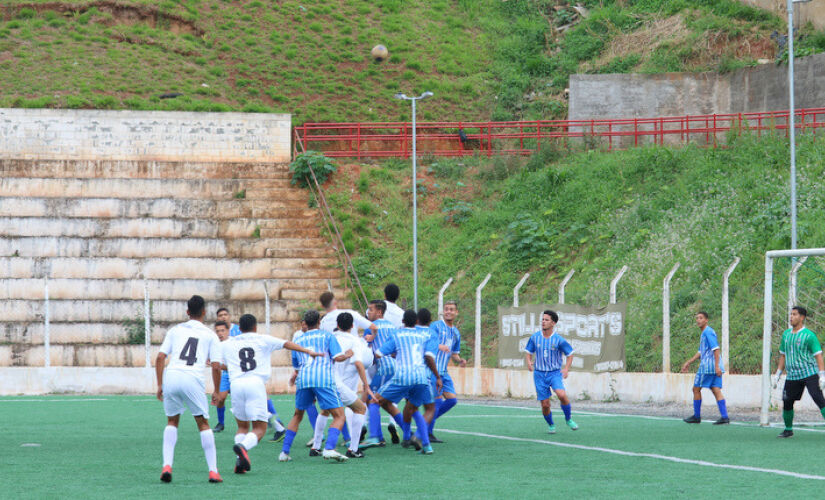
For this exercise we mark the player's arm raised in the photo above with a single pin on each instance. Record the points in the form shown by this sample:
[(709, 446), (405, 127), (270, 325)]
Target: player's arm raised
[(292, 346)]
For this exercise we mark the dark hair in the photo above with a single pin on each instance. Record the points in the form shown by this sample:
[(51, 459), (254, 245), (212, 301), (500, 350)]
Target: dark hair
[(552, 314), (247, 323), (424, 316), (195, 305), (703, 313), (410, 318), (222, 323), (380, 305), (326, 299), (221, 309), (451, 303), (801, 310), (391, 292), (311, 318), (344, 321)]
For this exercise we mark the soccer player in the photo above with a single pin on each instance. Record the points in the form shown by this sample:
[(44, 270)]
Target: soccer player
[(247, 358), (709, 374), (330, 305), (448, 340), (548, 373), (414, 350), (382, 371), (393, 313), (231, 330), (315, 380), (800, 356), (181, 385), (312, 411)]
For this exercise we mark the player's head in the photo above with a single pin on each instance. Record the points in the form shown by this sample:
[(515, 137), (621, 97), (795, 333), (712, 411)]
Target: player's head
[(548, 320), (424, 317), (248, 323), (450, 311), (196, 307), (391, 292), (702, 319), (311, 318), (344, 321), (304, 326), (376, 309), (798, 315), (222, 330), (327, 300), (410, 318), (223, 315)]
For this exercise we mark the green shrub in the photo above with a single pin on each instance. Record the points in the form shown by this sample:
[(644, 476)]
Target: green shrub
[(311, 161)]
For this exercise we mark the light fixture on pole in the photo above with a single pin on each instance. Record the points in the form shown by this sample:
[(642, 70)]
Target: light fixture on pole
[(792, 118), (404, 97)]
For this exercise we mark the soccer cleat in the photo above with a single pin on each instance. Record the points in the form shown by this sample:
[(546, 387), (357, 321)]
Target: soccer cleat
[(434, 439), (406, 443), (283, 457), (393, 434), (370, 442), (214, 477), (363, 434), (551, 429), (314, 453), (310, 443), (243, 457), (278, 436), (334, 455), (416, 443), (573, 425), (238, 467), (427, 450), (785, 434), (166, 474), (218, 427), (355, 454), (693, 419), (722, 421)]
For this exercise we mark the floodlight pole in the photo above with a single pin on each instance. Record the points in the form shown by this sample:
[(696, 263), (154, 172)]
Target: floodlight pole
[(792, 119)]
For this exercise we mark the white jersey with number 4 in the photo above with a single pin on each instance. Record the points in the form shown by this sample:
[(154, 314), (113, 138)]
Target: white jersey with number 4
[(188, 346), (249, 355)]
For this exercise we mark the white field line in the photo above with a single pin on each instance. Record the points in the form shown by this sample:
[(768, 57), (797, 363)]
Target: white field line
[(655, 456)]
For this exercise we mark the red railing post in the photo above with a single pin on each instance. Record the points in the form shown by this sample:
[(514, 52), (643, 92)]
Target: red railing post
[(635, 131), (538, 134), (489, 140), (610, 136), (358, 143), (714, 130)]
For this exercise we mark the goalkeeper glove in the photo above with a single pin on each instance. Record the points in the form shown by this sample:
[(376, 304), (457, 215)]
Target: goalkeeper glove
[(779, 374), (822, 380)]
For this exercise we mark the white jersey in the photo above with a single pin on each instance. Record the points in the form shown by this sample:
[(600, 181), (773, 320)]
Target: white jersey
[(345, 371), (393, 314), (330, 319), (249, 355), (188, 346)]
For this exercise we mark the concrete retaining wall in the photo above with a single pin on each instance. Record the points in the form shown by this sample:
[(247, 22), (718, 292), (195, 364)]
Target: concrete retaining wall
[(812, 12)]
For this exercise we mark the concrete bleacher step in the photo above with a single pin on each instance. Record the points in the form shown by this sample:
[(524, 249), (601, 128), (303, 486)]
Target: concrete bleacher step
[(143, 169)]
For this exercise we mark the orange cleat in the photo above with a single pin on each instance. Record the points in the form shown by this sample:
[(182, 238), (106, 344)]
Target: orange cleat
[(243, 457), (214, 477), (166, 474)]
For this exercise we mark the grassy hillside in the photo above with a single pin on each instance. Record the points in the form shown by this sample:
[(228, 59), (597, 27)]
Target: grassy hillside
[(646, 208)]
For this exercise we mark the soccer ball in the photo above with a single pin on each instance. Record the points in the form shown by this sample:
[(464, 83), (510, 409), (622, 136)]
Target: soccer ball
[(379, 53)]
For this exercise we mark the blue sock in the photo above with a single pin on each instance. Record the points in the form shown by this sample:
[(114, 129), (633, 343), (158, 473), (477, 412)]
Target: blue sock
[(407, 428), (723, 408), (345, 432), (332, 438), (549, 418), (697, 408), (221, 415), (446, 406), (566, 410), (421, 428), (438, 404), (312, 413), (288, 439), (270, 407), (375, 422)]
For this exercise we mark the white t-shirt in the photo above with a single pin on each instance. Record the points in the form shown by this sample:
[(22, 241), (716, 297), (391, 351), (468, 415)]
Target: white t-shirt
[(188, 346), (249, 355), (393, 314), (329, 321), (346, 370)]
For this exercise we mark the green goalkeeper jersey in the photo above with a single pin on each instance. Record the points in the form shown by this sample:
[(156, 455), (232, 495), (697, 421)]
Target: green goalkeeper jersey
[(799, 349)]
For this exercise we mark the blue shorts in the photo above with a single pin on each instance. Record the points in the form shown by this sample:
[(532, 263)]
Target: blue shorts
[(417, 395), (545, 381), (707, 380), (446, 384), (224, 382), (327, 398), (378, 381)]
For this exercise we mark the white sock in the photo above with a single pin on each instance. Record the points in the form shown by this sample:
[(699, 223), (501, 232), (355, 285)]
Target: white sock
[(208, 445), (250, 441), (358, 420), (320, 425), (170, 437), (239, 438), (277, 425)]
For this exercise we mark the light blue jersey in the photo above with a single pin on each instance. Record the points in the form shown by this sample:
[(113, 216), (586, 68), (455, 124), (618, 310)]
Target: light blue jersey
[(409, 346), (316, 372), (234, 330), (548, 351), (445, 335), (707, 345), (386, 330)]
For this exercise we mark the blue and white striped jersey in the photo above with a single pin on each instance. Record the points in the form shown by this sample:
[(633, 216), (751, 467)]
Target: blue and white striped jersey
[(707, 345), (446, 336), (234, 330), (409, 346), (386, 330), (316, 372), (548, 351)]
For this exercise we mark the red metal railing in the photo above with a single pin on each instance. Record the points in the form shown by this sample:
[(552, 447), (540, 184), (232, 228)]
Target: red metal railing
[(394, 139)]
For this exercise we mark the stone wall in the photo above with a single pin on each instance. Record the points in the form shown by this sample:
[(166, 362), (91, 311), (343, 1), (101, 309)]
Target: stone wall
[(812, 12)]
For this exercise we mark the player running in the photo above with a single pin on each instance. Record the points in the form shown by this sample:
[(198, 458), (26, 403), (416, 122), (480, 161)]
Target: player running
[(448, 340), (548, 348), (225, 329), (381, 373), (247, 358), (709, 374), (181, 385), (800, 356)]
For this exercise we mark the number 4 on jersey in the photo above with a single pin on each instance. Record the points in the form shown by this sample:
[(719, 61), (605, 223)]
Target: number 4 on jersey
[(189, 353)]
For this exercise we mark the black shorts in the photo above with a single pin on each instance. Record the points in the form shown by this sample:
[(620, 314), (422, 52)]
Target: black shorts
[(794, 388)]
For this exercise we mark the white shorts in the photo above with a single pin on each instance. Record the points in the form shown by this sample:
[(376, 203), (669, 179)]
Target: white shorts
[(249, 399), (347, 394), (183, 390)]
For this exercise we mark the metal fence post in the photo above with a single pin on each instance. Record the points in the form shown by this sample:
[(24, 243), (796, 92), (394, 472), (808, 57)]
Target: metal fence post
[(147, 323), (666, 319), (47, 361), (441, 298), (766, 341), (726, 314), (792, 285), (614, 283), (517, 288), (477, 346), (564, 284)]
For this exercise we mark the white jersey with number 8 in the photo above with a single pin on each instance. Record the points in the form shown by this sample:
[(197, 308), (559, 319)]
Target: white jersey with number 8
[(188, 346), (249, 355)]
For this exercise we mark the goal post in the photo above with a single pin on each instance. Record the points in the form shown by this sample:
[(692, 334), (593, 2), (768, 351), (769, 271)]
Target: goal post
[(792, 277)]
